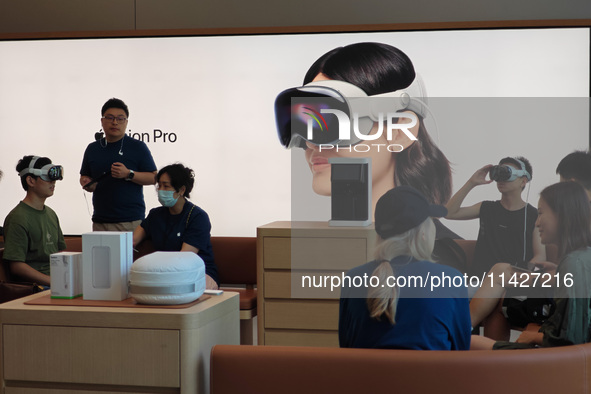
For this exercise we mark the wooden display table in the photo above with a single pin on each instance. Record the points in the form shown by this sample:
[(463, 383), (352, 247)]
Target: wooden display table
[(50, 349), (287, 313)]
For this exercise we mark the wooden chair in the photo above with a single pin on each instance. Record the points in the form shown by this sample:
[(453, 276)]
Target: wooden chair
[(236, 259)]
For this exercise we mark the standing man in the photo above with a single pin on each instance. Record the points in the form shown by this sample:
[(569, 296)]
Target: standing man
[(115, 168), (32, 230)]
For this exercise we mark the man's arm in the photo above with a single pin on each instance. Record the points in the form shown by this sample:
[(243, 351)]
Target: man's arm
[(120, 171), (28, 273), (85, 180), (144, 178), (139, 234), (454, 206)]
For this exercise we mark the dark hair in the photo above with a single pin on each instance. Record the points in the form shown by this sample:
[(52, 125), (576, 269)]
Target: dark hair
[(380, 68), (25, 162), (115, 103), (570, 203), (576, 166), (179, 176), (1, 174), (515, 162)]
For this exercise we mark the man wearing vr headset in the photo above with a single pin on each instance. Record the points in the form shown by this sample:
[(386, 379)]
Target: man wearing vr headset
[(501, 234), (31, 230), (507, 227)]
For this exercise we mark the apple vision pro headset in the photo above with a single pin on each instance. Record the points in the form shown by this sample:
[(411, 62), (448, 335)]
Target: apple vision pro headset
[(49, 172), (505, 173), (300, 110)]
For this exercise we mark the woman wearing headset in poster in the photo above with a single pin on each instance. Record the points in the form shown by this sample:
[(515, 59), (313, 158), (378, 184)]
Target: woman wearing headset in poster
[(370, 69)]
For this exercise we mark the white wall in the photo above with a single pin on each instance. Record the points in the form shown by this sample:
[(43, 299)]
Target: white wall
[(216, 94)]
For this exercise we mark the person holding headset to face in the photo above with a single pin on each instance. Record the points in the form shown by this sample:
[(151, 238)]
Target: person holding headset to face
[(410, 157), (507, 234), (179, 225), (507, 226)]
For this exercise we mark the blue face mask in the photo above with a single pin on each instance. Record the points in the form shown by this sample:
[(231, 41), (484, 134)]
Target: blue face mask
[(165, 197)]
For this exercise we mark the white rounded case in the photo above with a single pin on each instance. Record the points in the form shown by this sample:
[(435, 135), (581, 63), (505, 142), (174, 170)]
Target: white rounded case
[(167, 278)]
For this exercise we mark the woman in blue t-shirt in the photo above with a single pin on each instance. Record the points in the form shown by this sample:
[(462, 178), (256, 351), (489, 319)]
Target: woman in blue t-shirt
[(404, 300), (179, 225)]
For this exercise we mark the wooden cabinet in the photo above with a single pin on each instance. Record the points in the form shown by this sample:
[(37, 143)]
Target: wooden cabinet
[(298, 263), (68, 349)]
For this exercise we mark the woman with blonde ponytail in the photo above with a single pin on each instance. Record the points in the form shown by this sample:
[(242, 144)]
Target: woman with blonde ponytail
[(403, 299)]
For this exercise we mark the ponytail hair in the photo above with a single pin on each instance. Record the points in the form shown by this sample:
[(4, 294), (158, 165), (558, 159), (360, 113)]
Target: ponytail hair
[(382, 299)]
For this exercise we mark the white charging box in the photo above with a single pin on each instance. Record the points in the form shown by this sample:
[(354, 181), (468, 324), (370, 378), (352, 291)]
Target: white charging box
[(66, 274), (107, 259)]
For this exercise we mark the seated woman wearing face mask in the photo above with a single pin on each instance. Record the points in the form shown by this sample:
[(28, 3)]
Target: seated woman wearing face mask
[(179, 225)]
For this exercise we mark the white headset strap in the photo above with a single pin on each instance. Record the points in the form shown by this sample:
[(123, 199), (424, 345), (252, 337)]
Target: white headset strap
[(30, 167)]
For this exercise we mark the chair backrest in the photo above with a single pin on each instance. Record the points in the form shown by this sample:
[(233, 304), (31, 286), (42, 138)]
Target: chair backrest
[(468, 247), (3, 268), (293, 370), (73, 243), (236, 259)]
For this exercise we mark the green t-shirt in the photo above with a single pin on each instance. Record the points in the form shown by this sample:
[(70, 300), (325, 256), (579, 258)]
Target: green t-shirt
[(32, 235)]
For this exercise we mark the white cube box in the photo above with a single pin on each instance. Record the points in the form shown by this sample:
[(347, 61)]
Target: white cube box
[(107, 259), (66, 274)]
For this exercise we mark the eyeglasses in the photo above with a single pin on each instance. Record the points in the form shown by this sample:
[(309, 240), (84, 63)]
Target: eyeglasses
[(111, 118)]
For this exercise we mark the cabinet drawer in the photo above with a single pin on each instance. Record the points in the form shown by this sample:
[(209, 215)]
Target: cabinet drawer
[(301, 338), (113, 356), (80, 390), (277, 253), (314, 253), (302, 284), (302, 314)]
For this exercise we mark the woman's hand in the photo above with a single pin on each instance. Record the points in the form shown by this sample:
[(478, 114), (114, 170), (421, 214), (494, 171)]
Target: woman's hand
[(531, 336), (210, 283), (546, 266)]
